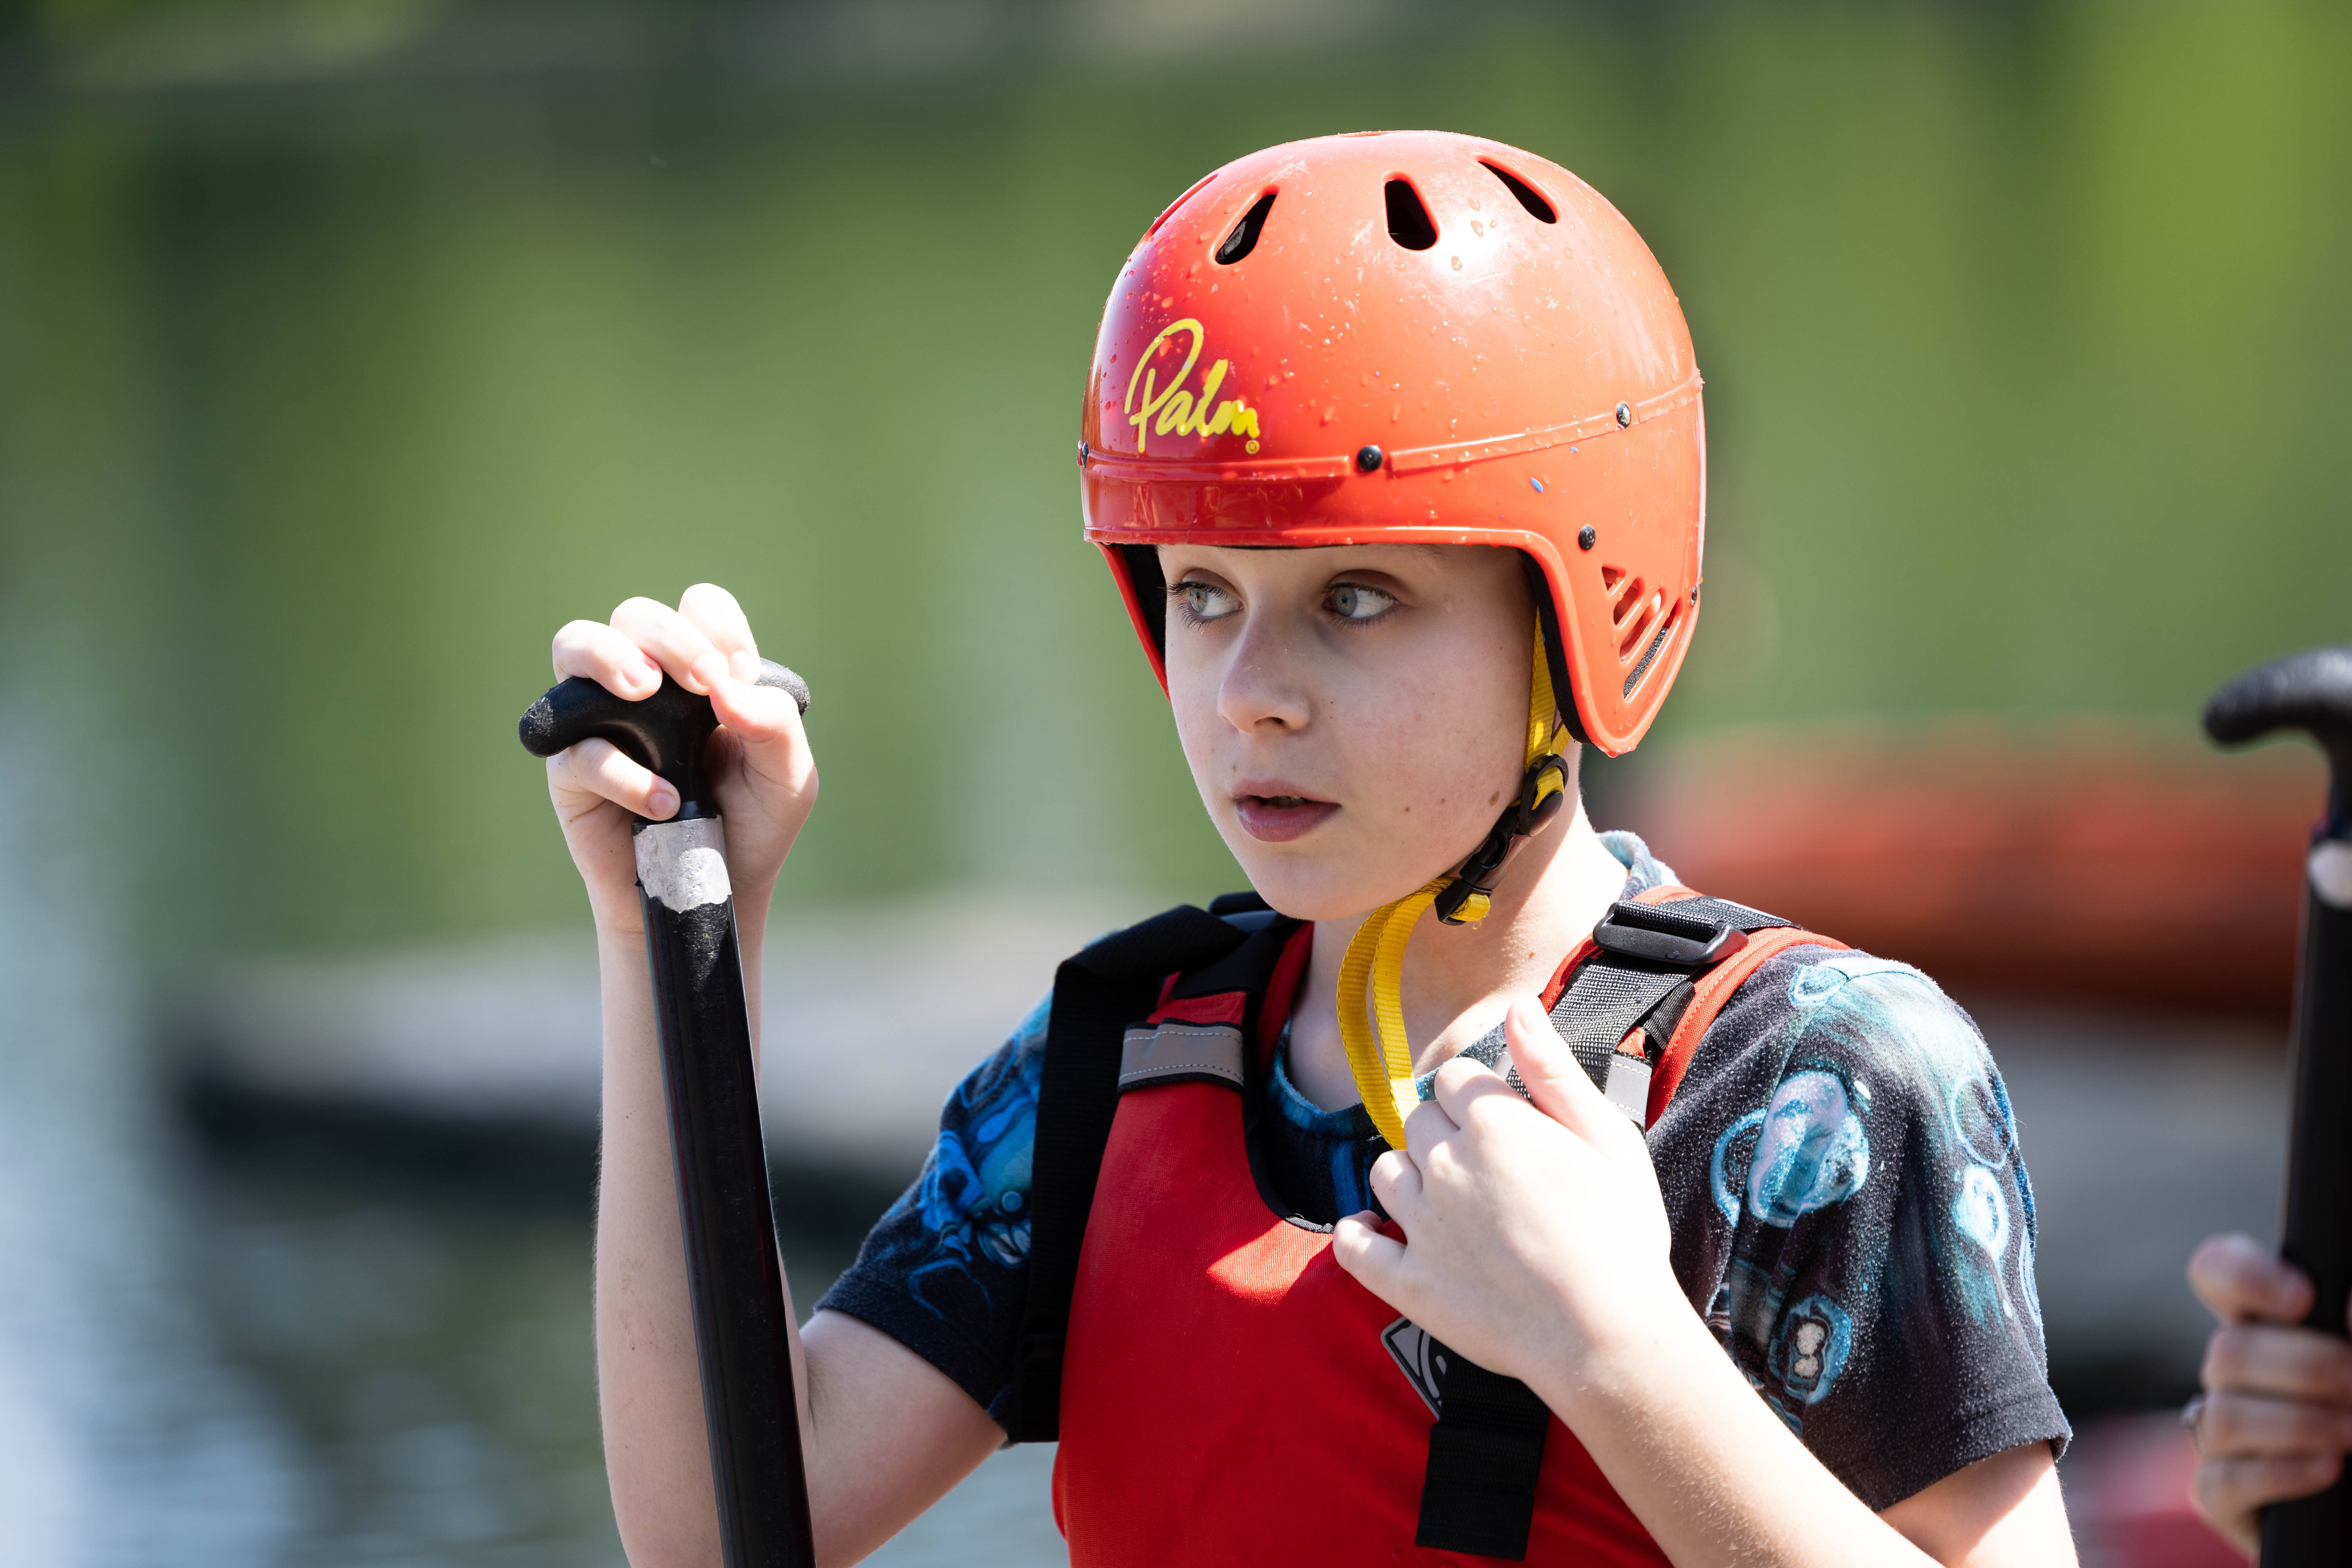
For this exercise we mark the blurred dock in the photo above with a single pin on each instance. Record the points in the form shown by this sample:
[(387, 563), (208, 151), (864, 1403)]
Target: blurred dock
[(868, 1019)]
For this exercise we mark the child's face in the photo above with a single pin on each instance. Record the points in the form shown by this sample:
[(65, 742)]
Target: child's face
[(1355, 716)]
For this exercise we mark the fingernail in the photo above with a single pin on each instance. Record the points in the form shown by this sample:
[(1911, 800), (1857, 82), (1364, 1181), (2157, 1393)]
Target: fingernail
[(660, 800), (708, 669), (744, 666), (643, 673)]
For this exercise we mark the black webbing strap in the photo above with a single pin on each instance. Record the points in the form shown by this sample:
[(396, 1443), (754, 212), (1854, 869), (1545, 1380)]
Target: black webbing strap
[(1485, 1450), (1613, 991), (1097, 995)]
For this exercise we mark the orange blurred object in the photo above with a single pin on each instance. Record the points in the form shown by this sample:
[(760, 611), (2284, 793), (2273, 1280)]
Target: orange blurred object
[(1411, 337), (2088, 860)]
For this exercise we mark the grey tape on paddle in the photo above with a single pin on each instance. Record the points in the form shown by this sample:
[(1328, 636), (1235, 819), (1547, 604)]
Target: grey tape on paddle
[(682, 865), (2331, 872)]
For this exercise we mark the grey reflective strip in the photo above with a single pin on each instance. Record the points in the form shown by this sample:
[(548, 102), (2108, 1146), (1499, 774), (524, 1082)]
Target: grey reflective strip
[(1174, 1051), (1629, 1087)]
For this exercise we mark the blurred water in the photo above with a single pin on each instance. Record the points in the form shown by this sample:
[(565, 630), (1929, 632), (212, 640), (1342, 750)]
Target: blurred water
[(126, 1435), (425, 1352)]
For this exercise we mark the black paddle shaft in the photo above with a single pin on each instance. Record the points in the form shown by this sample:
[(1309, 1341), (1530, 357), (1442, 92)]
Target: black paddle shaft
[(2313, 692), (742, 1335)]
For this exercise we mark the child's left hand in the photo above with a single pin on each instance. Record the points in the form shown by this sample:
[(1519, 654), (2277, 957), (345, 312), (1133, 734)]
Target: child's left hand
[(1534, 1234)]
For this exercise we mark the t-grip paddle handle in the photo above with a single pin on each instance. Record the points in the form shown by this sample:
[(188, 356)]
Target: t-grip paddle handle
[(742, 1335), (2312, 691), (667, 732)]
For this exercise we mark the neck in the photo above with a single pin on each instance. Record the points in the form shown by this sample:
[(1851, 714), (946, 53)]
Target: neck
[(1459, 980)]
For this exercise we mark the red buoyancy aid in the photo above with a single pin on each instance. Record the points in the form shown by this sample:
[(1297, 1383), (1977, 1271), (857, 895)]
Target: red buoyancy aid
[(1228, 1393)]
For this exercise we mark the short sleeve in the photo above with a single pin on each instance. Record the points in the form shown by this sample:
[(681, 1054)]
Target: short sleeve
[(1849, 1182), (944, 1271)]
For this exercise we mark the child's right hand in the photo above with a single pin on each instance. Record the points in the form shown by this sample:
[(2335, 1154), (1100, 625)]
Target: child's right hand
[(760, 763), (2275, 1417)]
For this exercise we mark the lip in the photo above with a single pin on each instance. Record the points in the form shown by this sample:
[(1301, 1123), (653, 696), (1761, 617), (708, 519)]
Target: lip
[(1274, 812)]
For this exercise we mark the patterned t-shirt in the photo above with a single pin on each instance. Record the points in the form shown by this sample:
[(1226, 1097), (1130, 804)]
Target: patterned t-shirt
[(1840, 1166)]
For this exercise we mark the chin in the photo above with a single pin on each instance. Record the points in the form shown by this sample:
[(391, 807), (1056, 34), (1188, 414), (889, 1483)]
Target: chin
[(1317, 888)]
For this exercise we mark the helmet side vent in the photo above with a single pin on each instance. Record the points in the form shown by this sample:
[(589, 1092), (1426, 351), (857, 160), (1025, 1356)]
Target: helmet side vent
[(1635, 615), (1538, 208), (1650, 655), (1409, 222), (1244, 238)]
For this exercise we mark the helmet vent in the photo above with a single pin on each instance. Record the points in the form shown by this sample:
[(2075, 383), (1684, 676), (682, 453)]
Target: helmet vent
[(1243, 239), (1409, 222), (1635, 622), (1633, 609), (1650, 655), (1538, 208)]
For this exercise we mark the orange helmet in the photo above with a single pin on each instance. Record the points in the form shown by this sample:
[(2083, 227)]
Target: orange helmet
[(1422, 338)]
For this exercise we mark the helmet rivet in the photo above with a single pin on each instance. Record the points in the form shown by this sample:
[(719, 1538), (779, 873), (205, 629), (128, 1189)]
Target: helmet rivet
[(1368, 457), (1586, 538), (1625, 415)]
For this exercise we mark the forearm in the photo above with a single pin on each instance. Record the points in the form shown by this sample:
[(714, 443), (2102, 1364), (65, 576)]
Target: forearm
[(1710, 1471), (656, 1452)]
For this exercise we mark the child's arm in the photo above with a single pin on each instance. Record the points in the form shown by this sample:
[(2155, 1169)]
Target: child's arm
[(2276, 1417), (885, 1433), (1574, 1296)]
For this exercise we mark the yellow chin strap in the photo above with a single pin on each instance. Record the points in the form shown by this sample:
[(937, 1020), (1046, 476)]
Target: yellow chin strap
[(1378, 1052)]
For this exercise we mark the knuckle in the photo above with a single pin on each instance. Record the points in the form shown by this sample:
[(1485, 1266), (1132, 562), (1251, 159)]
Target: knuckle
[(2226, 1354)]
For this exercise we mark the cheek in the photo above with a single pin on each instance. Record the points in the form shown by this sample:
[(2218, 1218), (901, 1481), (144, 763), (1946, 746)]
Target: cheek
[(1442, 765), (1192, 698)]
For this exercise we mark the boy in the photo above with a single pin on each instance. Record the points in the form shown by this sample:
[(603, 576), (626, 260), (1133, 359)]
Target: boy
[(1302, 1225)]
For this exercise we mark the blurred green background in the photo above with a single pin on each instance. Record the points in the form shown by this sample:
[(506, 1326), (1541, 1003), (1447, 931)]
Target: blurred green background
[(338, 367), (348, 347)]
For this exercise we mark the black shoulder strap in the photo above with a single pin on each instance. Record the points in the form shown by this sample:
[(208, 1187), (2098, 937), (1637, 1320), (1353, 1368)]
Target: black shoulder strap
[(1097, 995), (1485, 1451)]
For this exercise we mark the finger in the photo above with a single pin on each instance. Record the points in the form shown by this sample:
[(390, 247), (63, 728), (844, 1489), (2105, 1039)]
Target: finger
[(2255, 1424), (2229, 1491), (1396, 1182), (2241, 1281), (1426, 1126), (1375, 1260), (759, 716), (598, 767), (1559, 1084), (714, 612), (1459, 1085), (2295, 1363), (595, 650), (675, 643)]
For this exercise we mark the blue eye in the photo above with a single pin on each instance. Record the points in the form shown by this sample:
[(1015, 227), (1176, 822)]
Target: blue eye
[(1205, 600), (1355, 602)]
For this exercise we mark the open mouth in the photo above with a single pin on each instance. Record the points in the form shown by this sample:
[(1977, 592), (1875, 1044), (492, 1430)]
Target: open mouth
[(1277, 818)]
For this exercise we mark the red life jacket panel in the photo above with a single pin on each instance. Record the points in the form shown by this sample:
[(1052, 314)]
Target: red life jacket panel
[(1227, 1392)]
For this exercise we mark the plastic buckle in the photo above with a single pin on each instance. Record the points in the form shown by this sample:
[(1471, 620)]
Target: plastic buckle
[(1656, 933)]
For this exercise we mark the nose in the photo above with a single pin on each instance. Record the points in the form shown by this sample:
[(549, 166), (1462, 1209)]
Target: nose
[(1260, 688)]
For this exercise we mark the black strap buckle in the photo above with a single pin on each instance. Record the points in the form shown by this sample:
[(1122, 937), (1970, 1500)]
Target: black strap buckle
[(1521, 818), (1656, 933)]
